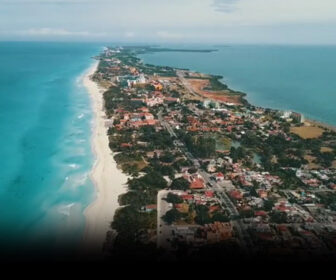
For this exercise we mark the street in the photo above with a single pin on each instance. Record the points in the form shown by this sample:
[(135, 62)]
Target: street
[(226, 203), (163, 230)]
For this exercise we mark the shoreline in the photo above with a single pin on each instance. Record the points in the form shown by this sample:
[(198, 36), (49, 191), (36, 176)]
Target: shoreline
[(108, 180), (245, 95)]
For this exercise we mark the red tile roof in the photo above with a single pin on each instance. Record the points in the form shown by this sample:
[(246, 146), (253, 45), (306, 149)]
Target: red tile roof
[(236, 194), (125, 145), (209, 193), (151, 206), (260, 213), (187, 196), (197, 184), (213, 208)]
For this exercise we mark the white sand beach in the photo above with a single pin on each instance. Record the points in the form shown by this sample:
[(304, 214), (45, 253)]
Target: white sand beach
[(108, 180)]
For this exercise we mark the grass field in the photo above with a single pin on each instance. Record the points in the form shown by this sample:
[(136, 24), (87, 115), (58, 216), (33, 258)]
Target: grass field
[(311, 163), (307, 132), (334, 164), (326, 150), (198, 86)]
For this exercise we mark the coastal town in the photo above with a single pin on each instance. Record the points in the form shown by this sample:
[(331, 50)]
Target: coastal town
[(209, 173)]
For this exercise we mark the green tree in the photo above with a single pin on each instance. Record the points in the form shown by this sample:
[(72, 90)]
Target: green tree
[(268, 205), (202, 215), (220, 217), (172, 216), (180, 184), (173, 198), (278, 217)]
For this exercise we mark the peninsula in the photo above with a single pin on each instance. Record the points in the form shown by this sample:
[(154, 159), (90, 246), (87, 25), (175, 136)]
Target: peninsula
[(209, 175)]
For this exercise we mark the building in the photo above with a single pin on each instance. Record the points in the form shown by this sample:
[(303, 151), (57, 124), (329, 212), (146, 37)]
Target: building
[(298, 117), (219, 177), (141, 79), (157, 86), (208, 103), (197, 184)]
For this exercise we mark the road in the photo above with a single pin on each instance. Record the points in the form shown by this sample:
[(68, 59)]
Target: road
[(312, 190), (220, 191), (166, 125), (163, 230), (226, 203), (185, 83)]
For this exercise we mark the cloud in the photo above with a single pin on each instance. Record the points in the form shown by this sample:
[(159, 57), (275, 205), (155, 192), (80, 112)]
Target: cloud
[(224, 5), (162, 20), (44, 1), (129, 34), (258, 12), (57, 32), (169, 35)]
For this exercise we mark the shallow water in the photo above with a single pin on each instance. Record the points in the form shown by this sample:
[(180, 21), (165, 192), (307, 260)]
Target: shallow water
[(45, 150)]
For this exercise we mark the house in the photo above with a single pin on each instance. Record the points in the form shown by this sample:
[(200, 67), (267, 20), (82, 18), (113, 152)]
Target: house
[(149, 208), (138, 124), (143, 109), (197, 184), (137, 100), (236, 194), (220, 161), (151, 102), (214, 208), (212, 166), (282, 207), (148, 116), (141, 79), (209, 194), (332, 186), (262, 193), (217, 232), (150, 122), (154, 153), (260, 214), (172, 100), (133, 70), (219, 177), (142, 143), (126, 145), (187, 197), (157, 86), (208, 103)]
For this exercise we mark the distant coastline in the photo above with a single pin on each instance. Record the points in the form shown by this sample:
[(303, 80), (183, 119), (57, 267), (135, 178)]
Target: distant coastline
[(269, 93), (217, 78), (153, 49)]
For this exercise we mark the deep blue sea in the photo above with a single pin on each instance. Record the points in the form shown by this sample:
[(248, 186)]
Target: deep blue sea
[(45, 150), (299, 78)]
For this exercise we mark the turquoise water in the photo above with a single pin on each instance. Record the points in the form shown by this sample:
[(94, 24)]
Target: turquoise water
[(300, 78), (45, 150)]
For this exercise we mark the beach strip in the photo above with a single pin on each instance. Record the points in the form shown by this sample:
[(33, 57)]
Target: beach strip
[(108, 180)]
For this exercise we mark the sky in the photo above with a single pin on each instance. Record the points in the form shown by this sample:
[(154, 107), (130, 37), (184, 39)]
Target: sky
[(170, 21)]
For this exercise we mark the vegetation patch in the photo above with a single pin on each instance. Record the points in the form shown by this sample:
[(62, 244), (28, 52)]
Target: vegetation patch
[(326, 150), (307, 132)]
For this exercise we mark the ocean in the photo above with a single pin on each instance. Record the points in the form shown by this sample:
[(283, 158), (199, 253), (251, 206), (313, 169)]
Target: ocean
[(298, 78), (45, 149)]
